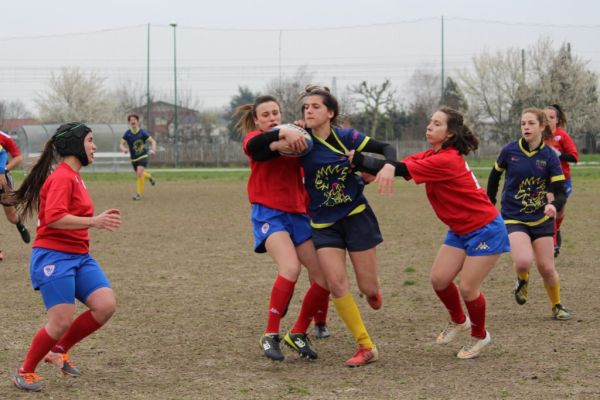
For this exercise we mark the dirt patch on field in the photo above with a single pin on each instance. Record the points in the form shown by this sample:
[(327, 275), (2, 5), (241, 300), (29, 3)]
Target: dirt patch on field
[(193, 297)]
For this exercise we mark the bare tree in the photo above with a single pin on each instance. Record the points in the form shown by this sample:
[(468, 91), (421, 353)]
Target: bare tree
[(287, 91), (495, 87), (502, 84), (560, 77), (374, 100), (73, 95)]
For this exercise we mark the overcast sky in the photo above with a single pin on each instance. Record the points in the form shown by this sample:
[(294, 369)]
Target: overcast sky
[(226, 43)]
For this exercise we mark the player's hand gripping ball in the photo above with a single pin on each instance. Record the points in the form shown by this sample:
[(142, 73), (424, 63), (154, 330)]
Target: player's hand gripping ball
[(307, 138)]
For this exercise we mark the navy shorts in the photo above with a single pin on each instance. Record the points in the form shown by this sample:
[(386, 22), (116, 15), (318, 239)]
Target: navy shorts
[(488, 240), (544, 229), (63, 277), (266, 221), (357, 232), (143, 162)]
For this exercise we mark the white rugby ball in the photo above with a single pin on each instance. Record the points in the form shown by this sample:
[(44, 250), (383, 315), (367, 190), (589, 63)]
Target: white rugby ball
[(307, 137)]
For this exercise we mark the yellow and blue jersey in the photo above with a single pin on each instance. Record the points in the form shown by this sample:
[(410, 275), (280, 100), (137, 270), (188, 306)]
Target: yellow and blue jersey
[(529, 174), (137, 144), (334, 190)]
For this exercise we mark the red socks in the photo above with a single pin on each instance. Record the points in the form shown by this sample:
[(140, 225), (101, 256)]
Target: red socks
[(313, 302), (476, 309), (321, 315), (82, 327), (40, 346), (451, 300), (281, 294)]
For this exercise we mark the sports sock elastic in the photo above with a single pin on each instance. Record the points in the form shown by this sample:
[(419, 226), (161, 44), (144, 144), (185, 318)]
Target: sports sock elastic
[(281, 293), (312, 302), (476, 309), (82, 327), (553, 293), (348, 311), (451, 299), (40, 346)]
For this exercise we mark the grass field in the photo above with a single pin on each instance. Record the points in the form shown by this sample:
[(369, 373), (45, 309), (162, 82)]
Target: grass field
[(193, 298)]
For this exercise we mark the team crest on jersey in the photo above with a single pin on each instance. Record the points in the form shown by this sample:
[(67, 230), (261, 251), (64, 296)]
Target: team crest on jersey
[(48, 269), (331, 181), (540, 164), (557, 138), (265, 228), (532, 193)]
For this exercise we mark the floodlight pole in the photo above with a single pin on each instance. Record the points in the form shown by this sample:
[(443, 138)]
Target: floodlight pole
[(175, 87)]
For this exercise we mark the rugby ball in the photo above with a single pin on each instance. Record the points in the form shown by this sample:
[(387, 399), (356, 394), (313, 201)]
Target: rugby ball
[(307, 137)]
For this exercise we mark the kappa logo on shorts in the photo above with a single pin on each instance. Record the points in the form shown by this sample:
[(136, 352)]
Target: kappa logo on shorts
[(265, 227), (482, 246), (48, 269)]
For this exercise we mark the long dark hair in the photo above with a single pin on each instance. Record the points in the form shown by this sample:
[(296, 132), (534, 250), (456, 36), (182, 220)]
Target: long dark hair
[(247, 113), (27, 198), (464, 140), (561, 118), (329, 100)]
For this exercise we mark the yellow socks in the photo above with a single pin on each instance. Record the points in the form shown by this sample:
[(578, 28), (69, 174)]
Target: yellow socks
[(553, 293), (147, 175), (524, 276), (140, 185), (348, 311)]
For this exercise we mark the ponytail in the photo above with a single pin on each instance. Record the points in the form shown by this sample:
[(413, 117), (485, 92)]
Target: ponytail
[(247, 113)]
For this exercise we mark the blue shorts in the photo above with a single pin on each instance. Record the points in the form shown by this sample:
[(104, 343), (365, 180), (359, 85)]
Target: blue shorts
[(357, 232), (486, 241), (544, 229), (568, 186), (266, 221), (63, 277), (143, 162)]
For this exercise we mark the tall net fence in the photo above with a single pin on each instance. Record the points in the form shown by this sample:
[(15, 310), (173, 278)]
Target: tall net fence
[(211, 64)]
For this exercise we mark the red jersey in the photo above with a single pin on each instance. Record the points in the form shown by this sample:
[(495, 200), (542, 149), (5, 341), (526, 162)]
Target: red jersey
[(562, 142), (276, 183), (63, 193), (9, 144), (452, 189)]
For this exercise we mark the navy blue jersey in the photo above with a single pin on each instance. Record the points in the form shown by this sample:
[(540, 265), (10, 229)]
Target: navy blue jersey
[(334, 190), (528, 177), (137, 144)]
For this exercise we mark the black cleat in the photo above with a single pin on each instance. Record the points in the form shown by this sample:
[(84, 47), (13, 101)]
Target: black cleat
[(301, 343), (24, 232), (270, 346), (152, 181), (521, 291)]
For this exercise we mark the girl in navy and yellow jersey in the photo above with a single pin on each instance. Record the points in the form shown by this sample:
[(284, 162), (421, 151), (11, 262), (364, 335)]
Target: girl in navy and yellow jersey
[(281, 226), (61, 267), (534, 191), (567, 153), (342, 219), (135, 139), (476, 237)]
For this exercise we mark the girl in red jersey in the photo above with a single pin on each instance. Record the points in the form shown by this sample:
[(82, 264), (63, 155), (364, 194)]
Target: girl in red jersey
[(567, 153), (281, 226), (477, 235), (61, 267)]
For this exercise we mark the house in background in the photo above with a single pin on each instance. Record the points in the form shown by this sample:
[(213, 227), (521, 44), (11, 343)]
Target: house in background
[(10, 125)]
